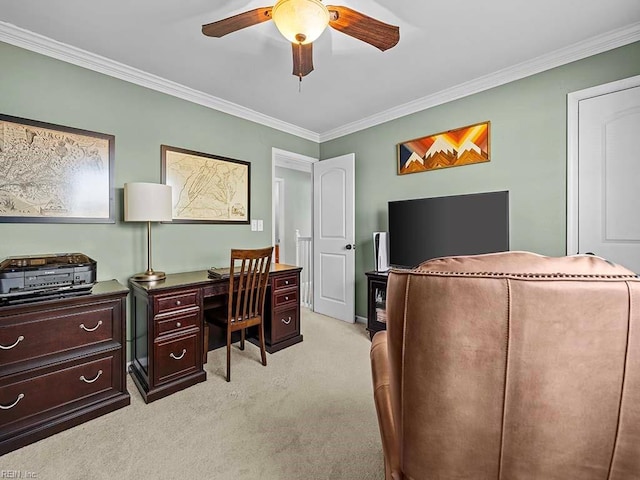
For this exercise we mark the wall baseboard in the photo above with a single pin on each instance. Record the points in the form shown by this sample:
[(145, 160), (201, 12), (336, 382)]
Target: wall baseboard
[(360, 319)]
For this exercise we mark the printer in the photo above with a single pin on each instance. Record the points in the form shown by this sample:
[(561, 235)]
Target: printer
[(40, 277)]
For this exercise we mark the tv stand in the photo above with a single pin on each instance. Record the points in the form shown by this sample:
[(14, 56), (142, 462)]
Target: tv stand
[(376, 301)]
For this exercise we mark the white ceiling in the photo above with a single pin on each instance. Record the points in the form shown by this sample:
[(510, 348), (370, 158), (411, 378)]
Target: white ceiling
[(446, 49)]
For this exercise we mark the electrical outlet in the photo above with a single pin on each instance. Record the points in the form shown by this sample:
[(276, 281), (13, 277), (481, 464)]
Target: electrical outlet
[(254, 225), (260, 225)]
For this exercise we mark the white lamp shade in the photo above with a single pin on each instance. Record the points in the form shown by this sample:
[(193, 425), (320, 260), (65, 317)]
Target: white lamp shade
[(306, 17), (147, 202)]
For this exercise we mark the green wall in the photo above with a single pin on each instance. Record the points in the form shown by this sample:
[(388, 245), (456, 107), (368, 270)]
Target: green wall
[(528, 155), (528, 158), (41, 88)]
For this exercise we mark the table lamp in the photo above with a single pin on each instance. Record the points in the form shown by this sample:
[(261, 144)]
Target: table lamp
[(147, 202)]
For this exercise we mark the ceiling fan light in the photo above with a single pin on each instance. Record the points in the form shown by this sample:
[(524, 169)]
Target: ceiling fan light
[(300, 21)]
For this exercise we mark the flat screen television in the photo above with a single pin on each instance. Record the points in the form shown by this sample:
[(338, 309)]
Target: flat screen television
[(427, 228)]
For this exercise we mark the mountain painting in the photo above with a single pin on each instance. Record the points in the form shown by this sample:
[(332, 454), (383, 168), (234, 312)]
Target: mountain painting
[(462, 146)]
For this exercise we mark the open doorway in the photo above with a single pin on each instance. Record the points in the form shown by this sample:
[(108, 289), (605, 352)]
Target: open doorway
[(279, 217), (293, 215)]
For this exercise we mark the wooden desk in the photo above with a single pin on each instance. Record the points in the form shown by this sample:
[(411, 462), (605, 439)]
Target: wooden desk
[(62, 362), (167, 319)]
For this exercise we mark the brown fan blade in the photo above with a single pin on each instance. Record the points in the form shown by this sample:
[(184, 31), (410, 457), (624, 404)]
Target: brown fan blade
[(237, 22), (369, 30), (302, 59)]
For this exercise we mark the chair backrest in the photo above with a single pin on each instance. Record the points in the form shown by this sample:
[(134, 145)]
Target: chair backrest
[(516, 366), (248, 278)]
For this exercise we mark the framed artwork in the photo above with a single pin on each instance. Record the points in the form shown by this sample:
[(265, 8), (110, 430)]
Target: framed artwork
[(206, 188), (55, 174), (461, 146)]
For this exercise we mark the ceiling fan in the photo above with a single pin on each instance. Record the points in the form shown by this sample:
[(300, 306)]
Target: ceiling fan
[(303, 21)]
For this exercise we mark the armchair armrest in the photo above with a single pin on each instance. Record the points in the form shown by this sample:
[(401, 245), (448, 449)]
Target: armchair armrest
[(382, 398)]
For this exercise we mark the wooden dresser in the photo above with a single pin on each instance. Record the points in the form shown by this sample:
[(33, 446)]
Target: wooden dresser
[(167, 318), (62, 362)]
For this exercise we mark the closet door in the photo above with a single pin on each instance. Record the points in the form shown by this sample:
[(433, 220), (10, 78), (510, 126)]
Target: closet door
[(608, 176)]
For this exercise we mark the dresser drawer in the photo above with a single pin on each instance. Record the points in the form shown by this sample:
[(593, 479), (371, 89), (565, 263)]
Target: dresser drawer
[(285, 281), (177, 301), (284, 324), (41, 393), (175, 357), (285, 297), (25, 337), (177, 322)]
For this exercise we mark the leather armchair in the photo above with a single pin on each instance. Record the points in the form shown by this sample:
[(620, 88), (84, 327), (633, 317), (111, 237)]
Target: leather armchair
[(510, 366)]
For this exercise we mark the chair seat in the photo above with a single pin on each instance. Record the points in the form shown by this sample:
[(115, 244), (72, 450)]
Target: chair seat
[(224, 321), (220, 317), (247, 322)]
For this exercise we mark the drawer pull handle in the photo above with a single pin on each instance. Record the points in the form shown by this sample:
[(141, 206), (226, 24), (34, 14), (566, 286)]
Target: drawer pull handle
[(91, 329), (286, 322), (20, 397), (178, 325), (184, 350), (178, 303), (91, 381), (20, 338)]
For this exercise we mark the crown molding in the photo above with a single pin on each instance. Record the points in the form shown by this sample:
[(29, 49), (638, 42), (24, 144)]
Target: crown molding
[(22, 38), (34, 42), (577, 51)]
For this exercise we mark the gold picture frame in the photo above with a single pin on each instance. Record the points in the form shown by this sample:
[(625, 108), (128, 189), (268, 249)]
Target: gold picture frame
[(207, 188)]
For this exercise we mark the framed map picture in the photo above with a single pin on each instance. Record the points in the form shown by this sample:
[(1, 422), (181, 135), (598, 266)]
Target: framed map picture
[(50, 173), (206, 188)]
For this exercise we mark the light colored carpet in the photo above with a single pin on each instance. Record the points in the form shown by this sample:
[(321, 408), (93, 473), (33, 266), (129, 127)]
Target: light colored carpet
[(308, 414)]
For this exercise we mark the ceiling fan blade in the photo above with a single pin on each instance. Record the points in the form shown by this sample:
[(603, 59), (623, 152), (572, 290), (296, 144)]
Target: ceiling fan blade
[(369, 30), (302, 59), (237, 22)]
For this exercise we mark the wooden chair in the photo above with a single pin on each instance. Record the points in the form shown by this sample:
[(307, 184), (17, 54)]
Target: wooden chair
[(248, 278)]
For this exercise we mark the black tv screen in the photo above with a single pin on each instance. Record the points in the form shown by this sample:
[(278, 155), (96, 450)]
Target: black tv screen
[(428, 228)]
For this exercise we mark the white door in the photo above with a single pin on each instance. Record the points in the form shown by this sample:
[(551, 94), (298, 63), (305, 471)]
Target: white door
[(333, 237), (608, 174)]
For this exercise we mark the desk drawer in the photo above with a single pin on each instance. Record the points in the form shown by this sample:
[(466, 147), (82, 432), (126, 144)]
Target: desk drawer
[(176, 322), (285, 281), (47, 391), (284, 324), (176, 357), (285, 297), (220, 288), (25, 337), (176, 301)]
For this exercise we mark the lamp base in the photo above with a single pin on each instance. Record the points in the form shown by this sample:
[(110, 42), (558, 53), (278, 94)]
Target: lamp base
[(149, 276)]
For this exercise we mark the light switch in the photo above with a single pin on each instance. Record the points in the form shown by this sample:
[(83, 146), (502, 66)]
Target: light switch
[(254, 225), (260, 225)]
